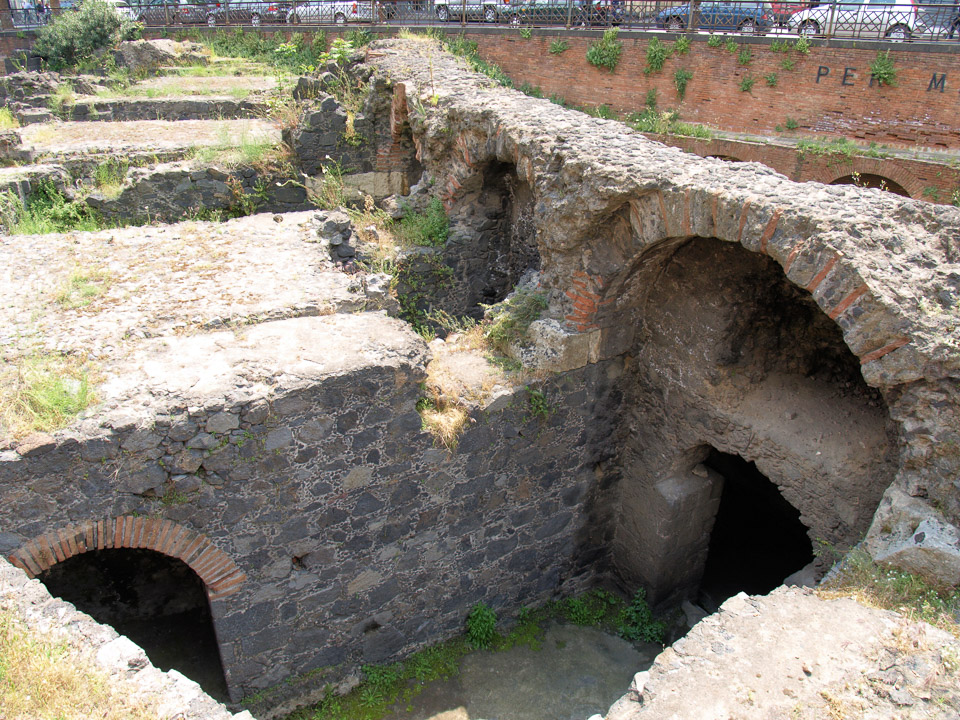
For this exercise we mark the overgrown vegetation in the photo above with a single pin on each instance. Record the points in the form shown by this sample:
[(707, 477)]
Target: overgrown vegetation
[(469, 50), (657, 54), (891, 589), (883, 70), (73, 37), (680, 78), (42, 679), (840, 150), (298, 54), (425, 229), (7, 119), (507, 322), (48, 210), (605, 52), (384, 686)]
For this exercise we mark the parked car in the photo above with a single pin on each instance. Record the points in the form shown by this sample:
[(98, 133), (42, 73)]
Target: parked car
[(783, 10), (892, 19), (745, 17), (340, 12), (486, 10), (559, 12), (156, 12), (248, 12), (194, 13)]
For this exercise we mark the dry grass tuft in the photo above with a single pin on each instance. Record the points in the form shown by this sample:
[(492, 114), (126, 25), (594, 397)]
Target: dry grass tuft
[(44, 680), (445, 422), (43, 393)]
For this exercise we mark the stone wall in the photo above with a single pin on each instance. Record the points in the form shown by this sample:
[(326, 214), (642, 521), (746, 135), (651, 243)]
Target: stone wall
[(328, 529), (828, 91)]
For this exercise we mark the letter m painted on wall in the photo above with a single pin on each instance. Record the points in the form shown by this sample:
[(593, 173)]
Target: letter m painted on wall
[(938, 83)]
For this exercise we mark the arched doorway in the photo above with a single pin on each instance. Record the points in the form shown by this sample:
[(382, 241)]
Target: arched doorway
[(737, 366), (869, 180), (155, 600)]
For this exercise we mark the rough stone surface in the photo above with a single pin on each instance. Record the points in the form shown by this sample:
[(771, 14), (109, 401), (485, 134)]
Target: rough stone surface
[(609, 208), (148, 55), (169, 693), (793, 654)]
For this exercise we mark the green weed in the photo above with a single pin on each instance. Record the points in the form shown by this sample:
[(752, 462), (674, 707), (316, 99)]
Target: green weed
[(507, 322), (680, 78), (481, 626), (559, 46), (7, 119), (605, 52), (657, 54), (425, 229)]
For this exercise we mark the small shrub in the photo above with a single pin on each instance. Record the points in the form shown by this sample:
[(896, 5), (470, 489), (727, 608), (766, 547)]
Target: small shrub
[(359, 38), (73, 37), (651, 99), (746, 84), (657, 54), (605, 52), (771, 79), (481, 626), (791, 123), (780, 46), (731, 46), (714, 41), (427, 229), (682, 45), (788, 63), (526, 33), (601, 111), (558, 47), (744, 57), (802, 45), (883, 70), (636, 622), (681, 77)]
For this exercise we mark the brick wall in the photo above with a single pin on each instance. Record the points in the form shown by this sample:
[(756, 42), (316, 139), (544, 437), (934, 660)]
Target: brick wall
[(920, 110)]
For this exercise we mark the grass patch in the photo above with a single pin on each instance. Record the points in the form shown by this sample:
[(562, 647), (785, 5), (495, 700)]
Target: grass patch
[(842, 149), (890, 589), (44, 680), (45, 393), (7, 119), (108, 177), (444, 419), (82, 287), (246, 149)]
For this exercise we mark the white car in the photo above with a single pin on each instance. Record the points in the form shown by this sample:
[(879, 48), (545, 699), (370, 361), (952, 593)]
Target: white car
[(868, 20), (324, 12)]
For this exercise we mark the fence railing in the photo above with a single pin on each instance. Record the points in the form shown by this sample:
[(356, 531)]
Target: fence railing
[(898, 21)]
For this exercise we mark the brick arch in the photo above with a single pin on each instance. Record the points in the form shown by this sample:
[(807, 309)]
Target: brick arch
[(219, 573), (595, 297), (828, 173)]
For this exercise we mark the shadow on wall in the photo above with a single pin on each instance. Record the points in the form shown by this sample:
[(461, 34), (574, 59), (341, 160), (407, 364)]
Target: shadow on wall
[(155, 600)]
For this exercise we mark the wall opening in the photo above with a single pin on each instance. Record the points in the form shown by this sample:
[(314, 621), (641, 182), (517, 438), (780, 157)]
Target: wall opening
[(492, 244), (869, 180), (758, 539), (155, 600)]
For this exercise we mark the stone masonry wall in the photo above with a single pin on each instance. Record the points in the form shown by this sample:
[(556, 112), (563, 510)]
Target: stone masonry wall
[(327, 527)]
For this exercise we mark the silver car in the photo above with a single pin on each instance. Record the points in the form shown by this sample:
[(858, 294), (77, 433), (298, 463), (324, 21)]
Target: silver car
[(486, 10), (867, 19), (324, 12)]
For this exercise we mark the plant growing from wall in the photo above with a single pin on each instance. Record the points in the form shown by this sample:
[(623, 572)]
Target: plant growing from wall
[(802, 45), (746, 84), (507, 322), (526, 33), (605, 52), (883, 70), (657, 54), (714, 41), (429, 228), (682, 45), (537, 405), (731, 46), (559, 46), (771, 79), (680, 78), (744, 57), (481, 626), (788, 63), (791, 123)]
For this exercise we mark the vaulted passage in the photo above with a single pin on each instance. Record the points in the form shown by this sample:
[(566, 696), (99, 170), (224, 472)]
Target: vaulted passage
[(156, 601), (869, 180), (757, 539), (750, 424)]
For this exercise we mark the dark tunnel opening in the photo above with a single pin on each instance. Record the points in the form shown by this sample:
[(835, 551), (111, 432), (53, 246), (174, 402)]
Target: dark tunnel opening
[(156, 601), (757, 539)]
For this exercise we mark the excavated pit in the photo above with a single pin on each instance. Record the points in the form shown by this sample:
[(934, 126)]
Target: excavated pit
[(156, 601)]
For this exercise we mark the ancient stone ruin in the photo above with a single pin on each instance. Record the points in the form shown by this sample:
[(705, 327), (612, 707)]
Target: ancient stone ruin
[(740, 371)]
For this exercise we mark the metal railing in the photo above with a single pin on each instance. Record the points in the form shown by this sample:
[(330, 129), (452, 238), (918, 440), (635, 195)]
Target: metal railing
[(899, 20)]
